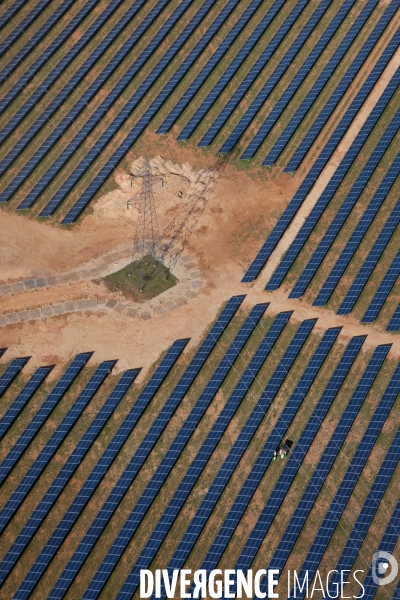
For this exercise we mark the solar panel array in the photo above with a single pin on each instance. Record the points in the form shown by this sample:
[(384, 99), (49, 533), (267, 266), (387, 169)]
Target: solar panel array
[(11, 372), (328, 72), (135, 463), (320, 163), (358, 234), (20, 28), (10, 13), (61, 480), (64, 62), (349, 480), (347, 206), (337, 178), (323, 467), (370, 262), (51, 447), (383, 291), (394, 324), (43, 413), (367, 512), (162, 472), (22, 399)]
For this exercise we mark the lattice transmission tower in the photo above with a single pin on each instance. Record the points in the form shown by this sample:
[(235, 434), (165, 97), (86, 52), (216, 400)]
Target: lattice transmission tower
[(147, 242)]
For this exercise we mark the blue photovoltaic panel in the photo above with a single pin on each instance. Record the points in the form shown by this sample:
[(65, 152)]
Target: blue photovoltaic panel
[(44, 411), (396, 595), (23, 398), (2, 351), (276, 76), (168, 88), (328, 71), (162, 472), (345, 209), (181, 554), (383, 291), (45, 456), (218, 54), (335, 181), (370, 262), (100, 113), (11, 372), (241, 443), (229, 72), (249, 78), (321, 472), (32, 39), (72, 115), (49, 52), (62, 64), (21, 28), (387, 544), (299, 197), (301, 74), (358, 234), (292, 466), (137, 460), (10, 13), (367, 514), (350, 479), (394, 324), (59, 483)]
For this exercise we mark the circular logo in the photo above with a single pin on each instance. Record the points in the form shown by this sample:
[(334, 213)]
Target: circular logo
[(380, 565)]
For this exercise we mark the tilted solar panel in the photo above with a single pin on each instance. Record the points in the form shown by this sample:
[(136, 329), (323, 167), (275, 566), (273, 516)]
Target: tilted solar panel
[(163, 470), (358, 234), (370, 262), (61, 480), (394, 324), (367, 514), (140, 455), (51, 447), (23, 398), (349, 480), (322, 469), (11, 372), (10, 13), (383, 291), (21, 28)]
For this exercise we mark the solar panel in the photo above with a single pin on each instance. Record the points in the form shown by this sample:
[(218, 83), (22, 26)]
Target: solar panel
[(358, 234), (396, 594), (11, 372), (23, 398), (61, 480), (300, 76), (367, 513), (299, 197), (383, 291), (278, 73), (387, 544), (328, 71), (84, 99), (162, 472), (345, 209), (394, 324), (2, 351), (44, 411), (248, 79), (168, 88), (335, 181), (101, 111), (140, 455), (226, 77), (180, 556), (48, 53), (218, 54), (62, 64), (240, 445), (350, 479), (45, 456), (320, 473), (10, 13), (20, 28), (370, 262)]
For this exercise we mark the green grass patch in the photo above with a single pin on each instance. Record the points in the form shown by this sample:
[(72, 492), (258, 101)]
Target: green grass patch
[(152, 277)]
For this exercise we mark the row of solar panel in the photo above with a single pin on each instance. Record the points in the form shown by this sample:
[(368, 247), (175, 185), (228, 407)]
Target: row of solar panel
[(10, 12), (320, 163)]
